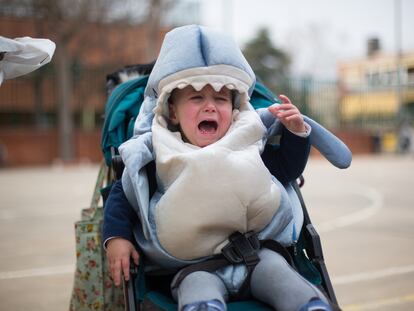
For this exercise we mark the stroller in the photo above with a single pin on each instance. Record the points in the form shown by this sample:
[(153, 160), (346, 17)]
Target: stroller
[(151, 292)]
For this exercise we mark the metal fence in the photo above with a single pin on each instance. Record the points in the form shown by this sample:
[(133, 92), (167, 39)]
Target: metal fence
[(33, 101)]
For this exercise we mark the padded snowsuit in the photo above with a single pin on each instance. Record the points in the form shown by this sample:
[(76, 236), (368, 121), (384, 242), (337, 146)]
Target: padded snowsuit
[(194, 55)]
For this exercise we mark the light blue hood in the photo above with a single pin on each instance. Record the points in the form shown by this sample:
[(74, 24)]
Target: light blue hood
[(195, 47), (194, 55)]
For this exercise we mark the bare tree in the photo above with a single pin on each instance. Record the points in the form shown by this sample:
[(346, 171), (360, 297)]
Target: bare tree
[(67, 18), (270, 63), (156, 10), (65, 21)]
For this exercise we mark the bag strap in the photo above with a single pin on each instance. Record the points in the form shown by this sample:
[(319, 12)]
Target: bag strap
[(103, 171)]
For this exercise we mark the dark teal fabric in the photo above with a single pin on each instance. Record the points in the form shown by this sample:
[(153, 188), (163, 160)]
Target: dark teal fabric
[(121, 110), (168, 305), (304, 266), (249, 305), (140, 283), (162, 301), (262, 97)]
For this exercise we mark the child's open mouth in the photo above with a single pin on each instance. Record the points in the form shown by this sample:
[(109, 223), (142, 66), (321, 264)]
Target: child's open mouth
[(208, 127)]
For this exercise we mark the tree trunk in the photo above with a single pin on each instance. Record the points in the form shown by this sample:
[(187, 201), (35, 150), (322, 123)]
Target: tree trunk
[(66, 152), (153, 28), (41, 121)]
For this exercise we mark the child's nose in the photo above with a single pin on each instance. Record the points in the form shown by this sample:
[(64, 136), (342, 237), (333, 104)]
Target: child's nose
[(209, 106)]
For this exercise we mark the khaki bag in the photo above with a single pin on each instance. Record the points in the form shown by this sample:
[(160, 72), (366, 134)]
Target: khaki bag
[(93, 288)]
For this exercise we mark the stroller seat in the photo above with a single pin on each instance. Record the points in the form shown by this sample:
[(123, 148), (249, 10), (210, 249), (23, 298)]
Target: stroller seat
[(148, 292)]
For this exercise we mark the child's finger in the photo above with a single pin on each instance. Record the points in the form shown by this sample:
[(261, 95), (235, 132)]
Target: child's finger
[(285, 99), (116, 272), (125, 268), (135, 257), (277, 109), (295, 117), (284, 107), (287, 113), (273, 109)]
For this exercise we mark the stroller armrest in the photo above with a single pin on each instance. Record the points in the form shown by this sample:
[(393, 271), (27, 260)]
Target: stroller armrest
[(117, 166), (315, 249)]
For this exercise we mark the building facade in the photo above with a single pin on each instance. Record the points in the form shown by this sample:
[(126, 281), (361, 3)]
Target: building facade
[(377, 94), (30, 105), (377, 90)]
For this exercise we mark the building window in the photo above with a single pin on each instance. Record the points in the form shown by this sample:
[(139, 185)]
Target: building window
[(410, 75)]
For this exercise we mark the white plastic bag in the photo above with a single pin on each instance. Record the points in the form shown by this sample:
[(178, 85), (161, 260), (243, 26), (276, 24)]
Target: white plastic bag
[(23, 55)]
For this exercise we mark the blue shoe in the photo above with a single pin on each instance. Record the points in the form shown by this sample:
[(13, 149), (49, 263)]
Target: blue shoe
[(316, 304), (209, 305)]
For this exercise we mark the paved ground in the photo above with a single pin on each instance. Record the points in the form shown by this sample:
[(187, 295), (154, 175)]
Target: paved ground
[(365, 215)]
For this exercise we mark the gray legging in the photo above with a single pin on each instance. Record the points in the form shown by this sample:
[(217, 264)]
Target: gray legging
[(273, 281)]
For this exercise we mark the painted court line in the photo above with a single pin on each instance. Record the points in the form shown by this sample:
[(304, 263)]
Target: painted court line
[(372, 275), (376, 200), (7, 215), (37, 272), (341, 280), (382, 303)]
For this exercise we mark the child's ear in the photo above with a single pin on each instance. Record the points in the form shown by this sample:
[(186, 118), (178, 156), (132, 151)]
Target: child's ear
[(172, 114)]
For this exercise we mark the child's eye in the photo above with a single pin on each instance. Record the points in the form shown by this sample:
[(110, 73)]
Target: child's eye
[(196, 97), (222, 99)]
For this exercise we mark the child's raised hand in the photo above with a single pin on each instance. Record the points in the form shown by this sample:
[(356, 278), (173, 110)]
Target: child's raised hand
[(119, 251), (289, 115)]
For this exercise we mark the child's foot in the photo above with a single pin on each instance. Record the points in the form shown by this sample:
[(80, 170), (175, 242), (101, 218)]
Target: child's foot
[(316, 304), (209, 305)]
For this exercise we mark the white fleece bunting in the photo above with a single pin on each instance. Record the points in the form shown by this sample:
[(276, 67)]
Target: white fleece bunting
[(214, 191)]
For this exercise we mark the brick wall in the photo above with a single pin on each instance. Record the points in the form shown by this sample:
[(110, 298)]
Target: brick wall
[(358, 142), (22, 147)]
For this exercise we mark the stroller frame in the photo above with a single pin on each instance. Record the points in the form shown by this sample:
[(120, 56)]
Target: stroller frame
[(311, 246)]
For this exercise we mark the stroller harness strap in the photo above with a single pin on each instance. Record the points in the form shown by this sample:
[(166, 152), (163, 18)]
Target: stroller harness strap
[(242, 248)]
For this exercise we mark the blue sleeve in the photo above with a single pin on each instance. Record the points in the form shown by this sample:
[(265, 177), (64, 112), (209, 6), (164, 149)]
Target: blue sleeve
[(288, 160), (119, 216)]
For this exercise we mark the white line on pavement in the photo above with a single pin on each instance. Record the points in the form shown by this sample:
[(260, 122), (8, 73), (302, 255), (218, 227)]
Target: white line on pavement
[(7, 215), (37, 272), (372, 275), (382, 303), (376, 203), (340, 280)]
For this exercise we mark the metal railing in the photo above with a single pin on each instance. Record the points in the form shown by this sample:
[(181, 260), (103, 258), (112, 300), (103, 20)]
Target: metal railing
[(31, 101)]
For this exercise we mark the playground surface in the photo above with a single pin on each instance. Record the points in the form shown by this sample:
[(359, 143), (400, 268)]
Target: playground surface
[(364, 214)]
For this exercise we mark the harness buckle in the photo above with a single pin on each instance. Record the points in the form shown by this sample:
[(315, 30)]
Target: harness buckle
[(242, 248)]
